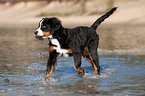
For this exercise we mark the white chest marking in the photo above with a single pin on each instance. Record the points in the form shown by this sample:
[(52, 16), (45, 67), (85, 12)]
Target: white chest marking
[(62, 52)]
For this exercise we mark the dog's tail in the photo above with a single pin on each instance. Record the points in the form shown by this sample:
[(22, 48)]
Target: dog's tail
[(102, 18)]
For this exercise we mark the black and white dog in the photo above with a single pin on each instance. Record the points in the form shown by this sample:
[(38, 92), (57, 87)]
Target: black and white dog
[(76, 42)]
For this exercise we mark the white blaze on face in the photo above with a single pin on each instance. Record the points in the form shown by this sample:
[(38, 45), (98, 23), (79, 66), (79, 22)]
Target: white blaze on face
[(40, 32)]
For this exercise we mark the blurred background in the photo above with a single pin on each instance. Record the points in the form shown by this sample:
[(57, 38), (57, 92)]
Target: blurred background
[(29, 12)]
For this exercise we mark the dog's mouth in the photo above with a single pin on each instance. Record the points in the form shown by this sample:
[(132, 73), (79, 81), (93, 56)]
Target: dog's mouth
[(39, 37), (43, 37)]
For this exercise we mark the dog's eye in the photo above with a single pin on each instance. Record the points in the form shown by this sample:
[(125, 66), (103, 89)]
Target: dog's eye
[(43, 26)]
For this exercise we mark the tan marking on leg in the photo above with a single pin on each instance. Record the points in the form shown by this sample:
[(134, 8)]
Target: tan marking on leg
[(85, 52), (51, 48), (80, 70), (50, 73), (94, 66)]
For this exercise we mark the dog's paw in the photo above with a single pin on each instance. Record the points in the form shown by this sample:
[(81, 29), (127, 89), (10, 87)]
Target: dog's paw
[(47, 78), (81, 71)]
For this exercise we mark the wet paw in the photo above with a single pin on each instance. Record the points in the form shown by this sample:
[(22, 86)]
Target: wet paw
[(48, 75), (81, 71), (47, 78)]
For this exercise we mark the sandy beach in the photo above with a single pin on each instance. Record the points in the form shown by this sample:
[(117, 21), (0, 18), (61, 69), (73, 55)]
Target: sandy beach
[(24, 14)]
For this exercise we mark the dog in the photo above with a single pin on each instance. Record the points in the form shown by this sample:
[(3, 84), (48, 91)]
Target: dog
[(77, 42)]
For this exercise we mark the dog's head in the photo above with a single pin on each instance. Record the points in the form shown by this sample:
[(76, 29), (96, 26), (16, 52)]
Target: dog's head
[(47, 27)]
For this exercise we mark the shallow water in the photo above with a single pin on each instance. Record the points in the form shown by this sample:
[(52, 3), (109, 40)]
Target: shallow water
[(22, 68)]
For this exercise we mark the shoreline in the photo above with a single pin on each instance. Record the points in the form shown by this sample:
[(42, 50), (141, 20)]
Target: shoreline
[(133, 51), (73, 25)]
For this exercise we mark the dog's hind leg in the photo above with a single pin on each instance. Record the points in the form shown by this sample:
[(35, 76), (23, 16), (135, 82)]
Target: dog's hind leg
[(77, 63), (93, 54), (88, 57), (95, 61), (52, 61)]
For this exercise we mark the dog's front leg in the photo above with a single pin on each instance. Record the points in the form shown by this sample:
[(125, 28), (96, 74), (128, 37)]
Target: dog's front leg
[(52, 61), (77, 64)]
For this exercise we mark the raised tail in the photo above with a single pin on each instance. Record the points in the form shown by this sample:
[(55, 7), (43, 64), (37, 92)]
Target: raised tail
[(102, 18)]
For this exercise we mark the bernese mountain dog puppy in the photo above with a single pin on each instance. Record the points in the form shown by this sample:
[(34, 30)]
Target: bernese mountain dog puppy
[(76, 42)]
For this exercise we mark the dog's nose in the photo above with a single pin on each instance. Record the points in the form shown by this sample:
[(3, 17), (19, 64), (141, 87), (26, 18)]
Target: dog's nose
[(36, 32)]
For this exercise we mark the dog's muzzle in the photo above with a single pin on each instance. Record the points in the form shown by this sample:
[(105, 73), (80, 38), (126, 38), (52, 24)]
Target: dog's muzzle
[(36, 32), (37, 36), (45, 35)]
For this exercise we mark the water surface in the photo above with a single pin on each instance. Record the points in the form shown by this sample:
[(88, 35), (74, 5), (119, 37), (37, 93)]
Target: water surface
[(22, 66)]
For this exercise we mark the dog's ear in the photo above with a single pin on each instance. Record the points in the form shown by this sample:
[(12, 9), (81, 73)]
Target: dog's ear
[(55, 24)]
